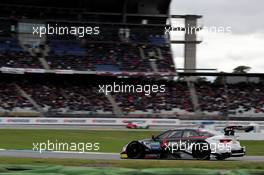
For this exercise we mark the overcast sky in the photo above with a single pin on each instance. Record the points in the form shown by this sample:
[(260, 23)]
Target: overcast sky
[(225, 51)]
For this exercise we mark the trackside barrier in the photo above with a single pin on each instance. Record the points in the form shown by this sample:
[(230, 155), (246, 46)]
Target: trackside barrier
[(123, 121), (86, 121), (251, 136)]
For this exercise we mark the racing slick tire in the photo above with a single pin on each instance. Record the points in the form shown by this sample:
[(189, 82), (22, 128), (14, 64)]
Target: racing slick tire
[(201, 150), (135, 150)]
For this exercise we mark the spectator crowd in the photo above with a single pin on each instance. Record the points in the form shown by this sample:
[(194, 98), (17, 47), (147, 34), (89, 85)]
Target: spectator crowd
[(59, 97)]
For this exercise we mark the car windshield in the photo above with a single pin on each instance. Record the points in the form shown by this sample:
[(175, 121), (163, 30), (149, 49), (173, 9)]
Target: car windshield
[(169, 134), (163, 135)]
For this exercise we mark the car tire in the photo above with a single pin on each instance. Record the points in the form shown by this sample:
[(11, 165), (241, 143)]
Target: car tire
[(135, 150), (198, 151)]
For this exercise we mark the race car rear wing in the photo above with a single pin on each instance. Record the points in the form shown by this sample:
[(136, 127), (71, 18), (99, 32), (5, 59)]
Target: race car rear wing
[(230, 130)]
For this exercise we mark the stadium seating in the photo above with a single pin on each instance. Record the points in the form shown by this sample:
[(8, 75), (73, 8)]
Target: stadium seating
[(112, 50), (239, 98), (18, 60), (9, 44), (10, 99), (69, 97), (53, 97), (72, 55), (62, 48)]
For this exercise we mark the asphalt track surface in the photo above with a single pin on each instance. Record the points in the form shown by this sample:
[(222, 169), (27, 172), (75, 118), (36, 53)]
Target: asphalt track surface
[(90, 155)]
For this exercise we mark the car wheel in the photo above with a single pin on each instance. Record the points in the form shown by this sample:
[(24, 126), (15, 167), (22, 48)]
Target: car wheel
[(135, 150), (201, 150)]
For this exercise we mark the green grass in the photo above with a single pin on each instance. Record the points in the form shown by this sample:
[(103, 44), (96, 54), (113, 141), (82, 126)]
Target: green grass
[(110, 141), (137, 164), (254, 147)]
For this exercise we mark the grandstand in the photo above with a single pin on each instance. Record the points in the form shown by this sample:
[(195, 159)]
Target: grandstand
[(35, 78), (125, 42), (67, 95)]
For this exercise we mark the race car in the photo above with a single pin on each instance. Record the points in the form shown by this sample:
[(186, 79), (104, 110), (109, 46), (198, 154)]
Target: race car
[(198, 143), (137, 125)]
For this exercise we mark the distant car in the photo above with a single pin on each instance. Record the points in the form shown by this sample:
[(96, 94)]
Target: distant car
[(198, 143), (137, 125)]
